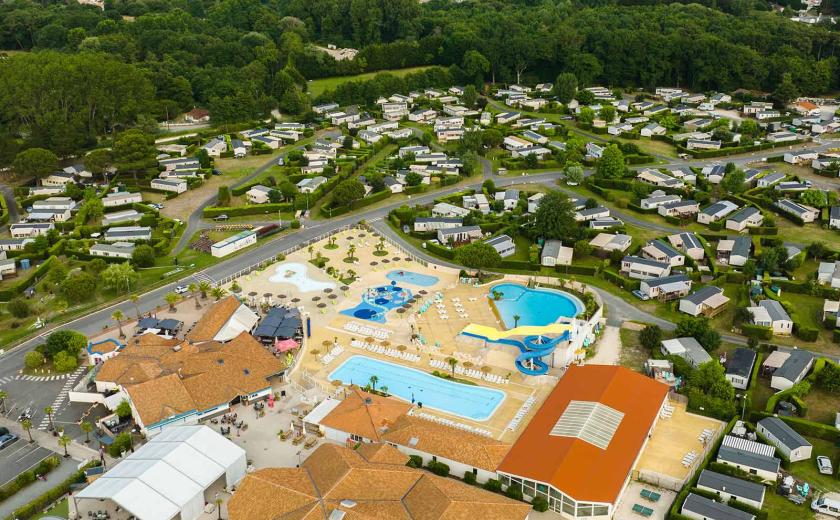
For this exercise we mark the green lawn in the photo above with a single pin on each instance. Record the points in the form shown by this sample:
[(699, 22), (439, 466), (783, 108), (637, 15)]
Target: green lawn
[(523, 249), (807, 469), (778, 506), (61, 510), (319, 86), (822, 406)]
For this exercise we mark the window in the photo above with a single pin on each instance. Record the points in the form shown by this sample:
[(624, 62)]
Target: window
[(753, 472), (584, 510), (357, 438), (600, 510), (504, 479), (542, 488)]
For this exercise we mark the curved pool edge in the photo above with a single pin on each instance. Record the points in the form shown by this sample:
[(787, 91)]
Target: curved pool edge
[(579, 306), (429, 374)]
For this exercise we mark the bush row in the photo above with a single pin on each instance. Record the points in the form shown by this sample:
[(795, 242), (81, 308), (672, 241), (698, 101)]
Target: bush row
[(28, 477), (18, 288), (251, 209), (35, 507)]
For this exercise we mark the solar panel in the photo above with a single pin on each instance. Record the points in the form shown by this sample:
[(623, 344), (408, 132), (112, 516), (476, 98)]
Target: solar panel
[(588, 421)]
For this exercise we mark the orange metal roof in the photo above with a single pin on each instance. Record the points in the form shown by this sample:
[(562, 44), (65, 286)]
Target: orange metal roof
[(575, 467)]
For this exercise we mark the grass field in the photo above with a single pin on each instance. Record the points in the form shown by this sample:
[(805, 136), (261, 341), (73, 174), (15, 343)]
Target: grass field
[(319, 86)]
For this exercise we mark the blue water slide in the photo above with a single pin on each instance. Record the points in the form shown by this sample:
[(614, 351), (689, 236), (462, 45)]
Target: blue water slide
[(531, 350)]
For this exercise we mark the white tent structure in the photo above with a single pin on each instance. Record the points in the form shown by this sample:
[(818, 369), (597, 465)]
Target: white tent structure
[(169, 475)]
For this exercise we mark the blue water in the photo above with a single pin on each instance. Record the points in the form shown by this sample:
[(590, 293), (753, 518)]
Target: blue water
[(471, 402), (423, 280), (533, 306), (377, 301)]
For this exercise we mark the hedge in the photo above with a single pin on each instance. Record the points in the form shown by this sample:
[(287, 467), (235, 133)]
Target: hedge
[(438, 468), (757, 331), (28, 477), (36, 506), (251, 209), (836, 335), (805, 333), (576, 269), (439, 250), (805, 427), (764, 230), (420, 188), (624, 283), (24, 283), (519, 265)]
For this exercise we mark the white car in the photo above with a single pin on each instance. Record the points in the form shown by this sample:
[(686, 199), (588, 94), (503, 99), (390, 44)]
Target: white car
[(181, 289), (824, 465)]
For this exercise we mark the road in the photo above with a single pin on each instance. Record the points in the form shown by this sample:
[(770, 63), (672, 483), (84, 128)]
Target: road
[(9, 195)]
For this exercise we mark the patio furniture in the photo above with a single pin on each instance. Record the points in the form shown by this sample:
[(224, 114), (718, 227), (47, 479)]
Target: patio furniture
[(284, 435), (299, 439), (310, 442), (642, 510), (650, 495)]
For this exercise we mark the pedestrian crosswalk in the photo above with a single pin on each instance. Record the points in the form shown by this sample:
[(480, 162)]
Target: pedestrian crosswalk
[(61, 398), (22, 377), (6, 379)]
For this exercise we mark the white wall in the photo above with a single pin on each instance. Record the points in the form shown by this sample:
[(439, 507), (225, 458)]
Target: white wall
[(455, 468)]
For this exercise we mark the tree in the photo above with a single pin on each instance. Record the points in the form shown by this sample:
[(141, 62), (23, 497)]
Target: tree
[(33, 359), (78, 287), (565, 87), (193, 289), (469, 96), (492, 138), (118, 316), (64, 441), (607, 113), (734, 182), (701, 330), (274, 196), (223, 196), (143, 256), (828, 378), (475, 66), (585, 97), (288, 190), (413, 178), (348, 192), (86, 428), (65, 362), (555, 216), (134, 151), (68, 341), (18, 307), (816, 250), (611, 163), (49, 411), (586, 116), (774, 259), (98, 162), (217, 293), (119, 276), (818, 198), (710, 378), (650, 337), (749, 269), (573, 173), (373, 380), (123, 409), (26, 424), (516, 319), (35, 162), (203, 288), (749, 129), (452, 363), (786, 90), (171, 298), (478, 256)]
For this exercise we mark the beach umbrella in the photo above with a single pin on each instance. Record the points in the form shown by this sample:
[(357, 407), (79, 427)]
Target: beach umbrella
[(369, 339), (295, 300), (406, 259), (328, 290), (282, 296), (336, 382), (401, 311), (374, 234), (345, 288), (322, 305), (374, 263), (424, 292), (362, 235), (326, 343), (385, 261), (402, 348), (406, 306), (385, 343), (316, 298), (396, 259), (332, 296)]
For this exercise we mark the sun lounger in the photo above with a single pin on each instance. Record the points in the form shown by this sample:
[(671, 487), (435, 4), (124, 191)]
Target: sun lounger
[(297, 440), (650, 495), (310, 442), (642, 510)]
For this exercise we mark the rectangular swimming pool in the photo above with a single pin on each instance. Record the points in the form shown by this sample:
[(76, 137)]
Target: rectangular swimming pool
[(477, 403)]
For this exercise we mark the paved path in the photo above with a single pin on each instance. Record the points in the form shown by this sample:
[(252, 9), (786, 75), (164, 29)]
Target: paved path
[(9, 194), (38, 488)]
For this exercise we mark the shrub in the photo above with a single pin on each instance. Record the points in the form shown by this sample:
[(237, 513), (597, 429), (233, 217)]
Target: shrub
[(493, 485), (296, 224), (805, 333), (33, 359), (18, 307), (438, 468), (540, 504), (415, 461), (122, 442), (469, 477), (514, 491), (65, 362), (123, 409)]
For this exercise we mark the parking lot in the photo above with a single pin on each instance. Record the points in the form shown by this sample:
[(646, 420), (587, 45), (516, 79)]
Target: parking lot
[(19, 457)]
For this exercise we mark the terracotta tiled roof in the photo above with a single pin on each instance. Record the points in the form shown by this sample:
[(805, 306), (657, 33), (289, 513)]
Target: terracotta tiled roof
[(574, 466), (206, 328), (444, 441), (382, 453), (378, 491), (206, 375), (365, 414)]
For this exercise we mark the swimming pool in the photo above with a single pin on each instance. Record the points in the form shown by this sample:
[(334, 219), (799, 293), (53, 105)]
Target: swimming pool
[(377, 301), (423, 280), (533, 306), (295, 274), (477, 403)]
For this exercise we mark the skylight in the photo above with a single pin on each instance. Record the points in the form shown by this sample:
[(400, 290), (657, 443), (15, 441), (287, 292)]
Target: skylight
[(588, 421)]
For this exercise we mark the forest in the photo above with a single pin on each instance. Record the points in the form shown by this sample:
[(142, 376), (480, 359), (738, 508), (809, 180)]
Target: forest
[(74, 73)]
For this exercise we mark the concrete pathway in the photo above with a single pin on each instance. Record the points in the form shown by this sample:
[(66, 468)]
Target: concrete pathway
[(38, 488), (609, 348)]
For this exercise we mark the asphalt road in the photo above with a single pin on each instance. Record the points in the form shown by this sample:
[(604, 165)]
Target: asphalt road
[(19, 457), (9, 194)]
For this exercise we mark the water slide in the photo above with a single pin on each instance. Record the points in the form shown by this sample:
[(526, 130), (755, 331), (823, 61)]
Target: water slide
[(530, 340)]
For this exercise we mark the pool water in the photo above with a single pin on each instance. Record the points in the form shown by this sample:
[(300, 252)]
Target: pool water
[(295, 274), (423, 280), (377, 301), (533, 306), (477, 403)]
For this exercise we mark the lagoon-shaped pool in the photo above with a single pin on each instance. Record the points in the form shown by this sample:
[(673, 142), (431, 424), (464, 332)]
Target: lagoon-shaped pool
[(295, 274)]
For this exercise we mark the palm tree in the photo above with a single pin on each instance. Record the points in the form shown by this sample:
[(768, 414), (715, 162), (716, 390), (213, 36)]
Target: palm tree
[(64, 441), (351, 251), (373, 381), (171, 299), (332, 240), (219, 506), (516, 319), (319, 258), (384, 389), (452, 362), (204, 288), (217, 293), (27, 426), (309, 250), (49, 411), (118, 316), (135, 299), (3, 396), (351, 274), (86, 427), (193, 288)]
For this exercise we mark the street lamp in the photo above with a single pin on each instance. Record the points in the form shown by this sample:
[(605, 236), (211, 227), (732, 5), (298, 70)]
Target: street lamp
[(743, 398)]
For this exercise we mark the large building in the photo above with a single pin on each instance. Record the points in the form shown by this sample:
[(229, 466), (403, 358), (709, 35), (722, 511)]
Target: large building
[(372, 481), (580, 447)]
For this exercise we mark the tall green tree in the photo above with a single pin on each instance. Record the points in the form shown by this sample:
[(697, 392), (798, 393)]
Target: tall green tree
[(555, 216), (565, 87), (611, 164), (478, 256), (35, 162), (134, 151)]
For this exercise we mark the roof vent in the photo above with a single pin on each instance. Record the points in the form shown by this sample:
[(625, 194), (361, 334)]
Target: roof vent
[(176, 348), (246, 371), (220, 361), (413, 441), (337, 514), (368, 400), (349, 504)]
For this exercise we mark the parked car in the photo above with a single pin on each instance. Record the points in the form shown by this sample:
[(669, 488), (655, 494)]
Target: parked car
[(221, 217), (181, 289), (216, 171), (26, 414), (7, 439), (824, 465), (826, 506)]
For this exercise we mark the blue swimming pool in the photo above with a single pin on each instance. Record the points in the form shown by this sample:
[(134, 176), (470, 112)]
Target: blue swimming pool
[(377, 301), (533, 306), (470, 402), (423, 280)]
